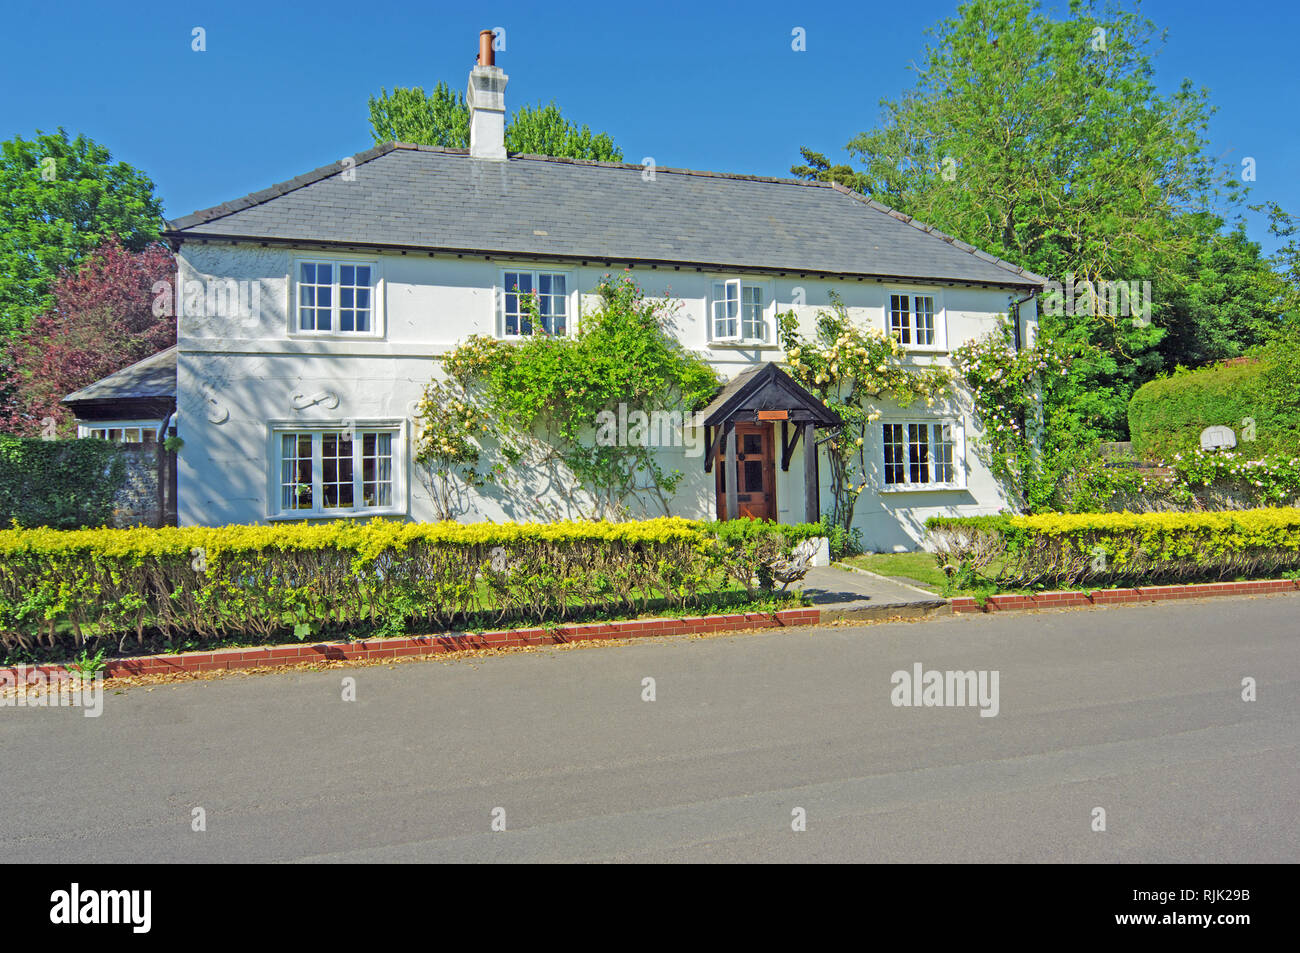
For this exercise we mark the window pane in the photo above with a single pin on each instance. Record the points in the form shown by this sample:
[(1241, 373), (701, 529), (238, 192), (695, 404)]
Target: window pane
[(753, 329), (924, 319), (944, 448), (918, 454), (295, 471), (515, 319), (550, 302), (354, 298), (893, 438), (900, 320), (726, 309), (377, 469), (336, 470)]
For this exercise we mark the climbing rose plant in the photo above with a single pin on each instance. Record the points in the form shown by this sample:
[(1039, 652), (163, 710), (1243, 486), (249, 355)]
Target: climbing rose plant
[(1006, 384), (447, 450), (538, 401), (854, 370)]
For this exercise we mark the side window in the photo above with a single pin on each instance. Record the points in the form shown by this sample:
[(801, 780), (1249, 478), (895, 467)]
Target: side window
[(914, 320), (921, 454), (336, 297), (548, 291), (738, 312)]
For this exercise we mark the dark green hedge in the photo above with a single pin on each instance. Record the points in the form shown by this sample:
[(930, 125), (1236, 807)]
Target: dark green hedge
[(66, 484), (1166, 416)]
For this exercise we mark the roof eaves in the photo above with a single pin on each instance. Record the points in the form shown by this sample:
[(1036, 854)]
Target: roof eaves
[(632, 260)]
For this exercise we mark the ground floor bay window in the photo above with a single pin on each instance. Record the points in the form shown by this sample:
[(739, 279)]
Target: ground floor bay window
[(925, 455), (338, 472)]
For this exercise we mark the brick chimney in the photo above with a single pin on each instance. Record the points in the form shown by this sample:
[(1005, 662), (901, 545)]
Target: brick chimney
[(487, 103)]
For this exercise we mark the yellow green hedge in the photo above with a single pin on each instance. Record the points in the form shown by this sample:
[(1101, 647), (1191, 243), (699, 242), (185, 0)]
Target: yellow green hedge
[(64, 588), (1073, 549)]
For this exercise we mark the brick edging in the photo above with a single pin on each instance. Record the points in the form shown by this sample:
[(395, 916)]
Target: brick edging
[(408, 646), (1101, 597)]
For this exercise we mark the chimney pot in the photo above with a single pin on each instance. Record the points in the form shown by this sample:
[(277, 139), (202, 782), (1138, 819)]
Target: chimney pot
[(486, 55)]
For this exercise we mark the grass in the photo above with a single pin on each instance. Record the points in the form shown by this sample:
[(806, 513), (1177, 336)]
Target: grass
[(919, 568)]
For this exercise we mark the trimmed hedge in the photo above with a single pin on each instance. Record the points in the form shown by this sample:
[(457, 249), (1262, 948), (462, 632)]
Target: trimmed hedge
[(1166, 415), (66, 484), (1072, 549), (62, 589)]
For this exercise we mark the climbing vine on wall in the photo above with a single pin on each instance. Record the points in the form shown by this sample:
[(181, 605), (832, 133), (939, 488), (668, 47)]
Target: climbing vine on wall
[(1006, 385), (854, 370), (538, 402)]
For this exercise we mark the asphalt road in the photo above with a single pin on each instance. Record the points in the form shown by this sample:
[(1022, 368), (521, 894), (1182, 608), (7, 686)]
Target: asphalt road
[(1137, 710)]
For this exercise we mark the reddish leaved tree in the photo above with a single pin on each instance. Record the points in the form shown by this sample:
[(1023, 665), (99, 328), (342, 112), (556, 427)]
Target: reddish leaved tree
[(102, 321)]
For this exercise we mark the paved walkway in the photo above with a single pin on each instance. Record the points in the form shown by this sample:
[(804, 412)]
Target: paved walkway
[(846, 593)]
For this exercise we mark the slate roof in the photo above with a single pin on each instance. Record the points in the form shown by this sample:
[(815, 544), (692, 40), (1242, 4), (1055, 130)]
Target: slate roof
[(155, 376), (431, 199)]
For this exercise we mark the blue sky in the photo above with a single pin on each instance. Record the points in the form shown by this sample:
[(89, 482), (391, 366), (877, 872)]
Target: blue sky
[(282, 87)]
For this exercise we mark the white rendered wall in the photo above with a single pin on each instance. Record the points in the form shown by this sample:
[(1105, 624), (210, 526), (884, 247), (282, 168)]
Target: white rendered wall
[(235, 374)]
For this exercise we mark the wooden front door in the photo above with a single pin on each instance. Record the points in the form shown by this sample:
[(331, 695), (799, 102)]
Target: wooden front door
[(755, 470)]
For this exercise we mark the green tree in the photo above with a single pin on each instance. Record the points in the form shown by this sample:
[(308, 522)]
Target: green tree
[(60, 198), (441, 118), (1045, 141), (542, 130), (819, 169)]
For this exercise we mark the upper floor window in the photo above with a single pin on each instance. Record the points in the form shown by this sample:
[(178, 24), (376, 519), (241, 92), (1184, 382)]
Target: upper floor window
[(922, 455), (548, 290), (739, 312), (914, 320), (336, 297)]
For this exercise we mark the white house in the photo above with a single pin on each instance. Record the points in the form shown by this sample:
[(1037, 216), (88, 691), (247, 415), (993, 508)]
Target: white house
[(314, 313)]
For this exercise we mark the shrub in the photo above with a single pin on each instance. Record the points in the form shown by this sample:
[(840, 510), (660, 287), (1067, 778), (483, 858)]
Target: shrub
[(1257, 399), (256, 583), (66, 484), (1072, 549), (754, 548)]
